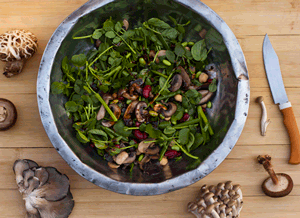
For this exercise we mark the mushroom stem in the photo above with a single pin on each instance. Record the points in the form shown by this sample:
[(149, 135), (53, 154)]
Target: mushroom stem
[(264, 121), (265, 160)]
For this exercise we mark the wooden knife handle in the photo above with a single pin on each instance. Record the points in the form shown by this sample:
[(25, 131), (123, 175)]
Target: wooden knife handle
[(292, 128)]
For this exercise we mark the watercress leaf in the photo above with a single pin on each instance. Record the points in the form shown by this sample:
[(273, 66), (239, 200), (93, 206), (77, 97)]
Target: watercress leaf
[(179, 50), (191, 141), (65, 65), (143, 127), (162, 82), (170, 56), (110, 34), (97, 34), (213, 36), (169, 130), (118, 27), (117, 40), (128, 34), (213, 86), (103, 47), (71, 106), (119, 128), (108, 25), (177, 116), (199, 51), (57, 87), (100, 145), (170, 33), (164, 124), (158, 23), (184, 135), (87, 99), (78, 60), (197, 142), (98, 132), (185, 102), (153, 133), (83, 138)]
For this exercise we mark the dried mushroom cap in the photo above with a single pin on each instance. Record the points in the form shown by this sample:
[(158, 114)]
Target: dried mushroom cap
[(214, 201), (140, 111), (8, 114), (45, 190), (16, 47)]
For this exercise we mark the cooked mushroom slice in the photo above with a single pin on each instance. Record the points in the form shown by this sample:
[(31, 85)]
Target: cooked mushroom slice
[(16, 47), (144, 145), (117, 112), (171, 109), (185, 78), (277, 185), (130, 158), (113, 165), (159, 108), (203, 92), (206, 98), (152, 150), (140, 113), (145, 160), (131, 107), (125, 24), (137, 88), (55, 188), (176, 83), (101, 113), (120, 158), (8, 114), (130, 97)]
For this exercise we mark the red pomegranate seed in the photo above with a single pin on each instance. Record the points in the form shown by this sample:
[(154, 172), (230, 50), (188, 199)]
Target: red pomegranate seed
[(92, 145), (172, 154), (138, 134), (146, 91), (185, 117), (121, 98), (118, 146), (137, 124), (204, 109), (209, 80)]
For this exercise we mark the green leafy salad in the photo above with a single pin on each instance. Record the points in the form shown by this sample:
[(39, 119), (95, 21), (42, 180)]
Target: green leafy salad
[(139, 96)]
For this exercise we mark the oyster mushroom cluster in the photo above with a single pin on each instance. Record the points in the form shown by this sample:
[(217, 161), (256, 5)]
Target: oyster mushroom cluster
[(222, 201), (16, 47), (45, 190)]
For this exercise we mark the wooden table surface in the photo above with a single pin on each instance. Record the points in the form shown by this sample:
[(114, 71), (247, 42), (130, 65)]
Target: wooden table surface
[(249, 20)]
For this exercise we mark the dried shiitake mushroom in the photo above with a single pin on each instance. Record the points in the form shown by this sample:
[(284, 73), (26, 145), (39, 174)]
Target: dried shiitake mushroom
[(8, 114), (16, 47), (222, 201), (45, 190)]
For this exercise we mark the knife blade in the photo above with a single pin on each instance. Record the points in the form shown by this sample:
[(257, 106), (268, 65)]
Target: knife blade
[(274, 76)]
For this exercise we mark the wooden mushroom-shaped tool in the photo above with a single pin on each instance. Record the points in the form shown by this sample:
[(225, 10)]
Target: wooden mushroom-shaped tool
[(278, 184), (8, 114)]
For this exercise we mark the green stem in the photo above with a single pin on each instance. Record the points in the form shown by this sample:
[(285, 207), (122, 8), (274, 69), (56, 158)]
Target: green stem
[(204, 118), (166, 83), (99, 56), (117, 69), (160, 74), (111, 132), (134, 145), (126, 43), (155, 56), (163, 151), (184, 151), (182, 127), (130, 128), (172, 94), (104, 104), (82, 37), (187, 123)]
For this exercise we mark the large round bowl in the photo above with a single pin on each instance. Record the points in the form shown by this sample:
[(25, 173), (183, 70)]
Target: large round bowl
[(227, 116)]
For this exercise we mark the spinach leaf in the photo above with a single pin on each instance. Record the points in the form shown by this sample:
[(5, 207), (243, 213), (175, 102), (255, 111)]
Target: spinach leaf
[(119, 128), (169, 130), (198, 141), (83, 138), (153, 133), (163, 125), (98, 132), (191, 141), (158, 23), (179, 50), (213, 86), (170, 56), (143, 127), (199, 51)]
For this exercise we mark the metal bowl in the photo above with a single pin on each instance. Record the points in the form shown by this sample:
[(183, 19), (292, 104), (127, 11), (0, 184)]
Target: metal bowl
[(227, 116)]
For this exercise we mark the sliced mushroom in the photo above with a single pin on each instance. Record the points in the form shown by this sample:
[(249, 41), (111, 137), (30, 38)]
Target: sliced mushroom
[(144, 145), (130, 109), (206, 98), (130, 97), (131, 158), (145, 160), (120, 158), (8, 114), (176, 83), (171, 109), (152, 150), (137, 88), (113, 165), (159, 108), (125, 24), (140, 113), (117, 112), (101, 113), (185, 78)]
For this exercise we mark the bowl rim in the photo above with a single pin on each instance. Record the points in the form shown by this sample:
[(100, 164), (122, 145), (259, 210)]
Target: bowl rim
[(144, 189)]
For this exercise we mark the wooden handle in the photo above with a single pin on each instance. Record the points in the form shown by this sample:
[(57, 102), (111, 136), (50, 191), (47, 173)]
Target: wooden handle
[(292, 128)]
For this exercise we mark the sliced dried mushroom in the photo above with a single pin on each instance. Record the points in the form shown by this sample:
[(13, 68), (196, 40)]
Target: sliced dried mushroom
[(176, 83), (45, 190), (171, 109), (8, 114), (140, 111), (16, 47), (117, 112), (185, 78), (101, 112)]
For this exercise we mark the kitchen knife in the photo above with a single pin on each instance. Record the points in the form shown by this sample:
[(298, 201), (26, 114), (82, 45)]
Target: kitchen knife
[(279, 95)]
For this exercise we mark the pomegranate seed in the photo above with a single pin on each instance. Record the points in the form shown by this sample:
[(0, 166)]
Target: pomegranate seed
[(172, 154), (209, 80), (138, 134), (137, 124), (204, 109), (185, 117), (146, 91), (92, 145), (118, 146), (121, 98)]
